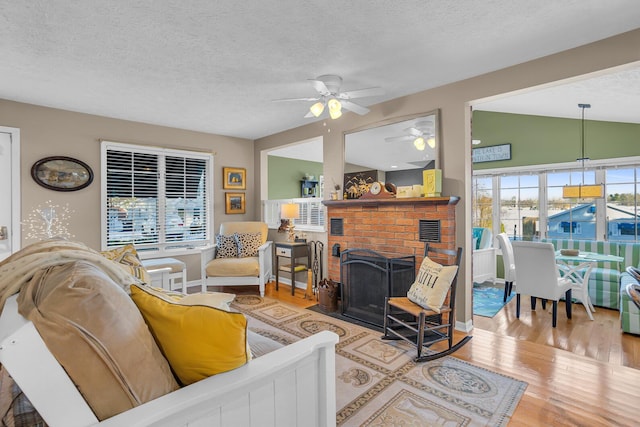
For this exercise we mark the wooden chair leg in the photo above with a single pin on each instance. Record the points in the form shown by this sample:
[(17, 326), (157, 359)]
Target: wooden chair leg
[(567, 297), (544, 304), (420, 338), (517, 306), (386, 320), (506, 291), (555, 314), (534, 300)]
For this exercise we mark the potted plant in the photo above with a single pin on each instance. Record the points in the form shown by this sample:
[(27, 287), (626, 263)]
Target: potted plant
[(334, 194)]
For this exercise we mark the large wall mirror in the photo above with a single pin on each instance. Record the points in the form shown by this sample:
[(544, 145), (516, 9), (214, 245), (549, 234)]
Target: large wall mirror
[(398, 149)]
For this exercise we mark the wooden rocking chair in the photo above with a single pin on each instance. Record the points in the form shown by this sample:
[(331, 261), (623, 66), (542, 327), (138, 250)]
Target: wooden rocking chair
[(421, 327)]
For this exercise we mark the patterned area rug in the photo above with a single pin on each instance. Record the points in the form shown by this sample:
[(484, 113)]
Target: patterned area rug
[(377, 382), (487, 300)]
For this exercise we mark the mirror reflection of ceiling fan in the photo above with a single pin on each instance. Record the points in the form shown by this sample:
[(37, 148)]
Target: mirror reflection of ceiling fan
[(421, 134), (329, 95)]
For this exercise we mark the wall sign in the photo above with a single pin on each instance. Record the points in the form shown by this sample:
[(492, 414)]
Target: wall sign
[(491, 154)]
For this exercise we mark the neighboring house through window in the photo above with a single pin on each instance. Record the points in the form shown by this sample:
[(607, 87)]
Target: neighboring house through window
[(155, 198), (527, 203)]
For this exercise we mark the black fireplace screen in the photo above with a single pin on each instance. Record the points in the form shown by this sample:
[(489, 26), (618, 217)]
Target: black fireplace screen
[(368, 277)]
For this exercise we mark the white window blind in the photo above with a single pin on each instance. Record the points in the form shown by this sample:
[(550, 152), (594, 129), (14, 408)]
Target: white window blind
[(312, 213), (155, 198)]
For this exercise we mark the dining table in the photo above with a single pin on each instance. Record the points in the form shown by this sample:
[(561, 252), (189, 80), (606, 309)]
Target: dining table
[(577, 267)]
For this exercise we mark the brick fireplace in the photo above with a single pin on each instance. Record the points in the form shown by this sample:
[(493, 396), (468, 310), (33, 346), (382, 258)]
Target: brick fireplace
[(394, 226)]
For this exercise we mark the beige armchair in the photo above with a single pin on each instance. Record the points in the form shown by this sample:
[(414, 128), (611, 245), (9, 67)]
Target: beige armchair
[(238, 270)]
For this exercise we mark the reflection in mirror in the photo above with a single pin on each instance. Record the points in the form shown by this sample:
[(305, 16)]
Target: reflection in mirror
[(394, 151)]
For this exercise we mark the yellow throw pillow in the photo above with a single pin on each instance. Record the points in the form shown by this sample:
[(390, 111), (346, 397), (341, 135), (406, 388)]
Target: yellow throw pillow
[(127, 258), (198, 340), (432, 284)]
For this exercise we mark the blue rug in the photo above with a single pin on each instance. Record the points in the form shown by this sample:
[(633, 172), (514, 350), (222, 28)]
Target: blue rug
[(487, 300)]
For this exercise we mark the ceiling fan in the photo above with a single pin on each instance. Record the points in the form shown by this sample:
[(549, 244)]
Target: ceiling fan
[(422, 134), (329, 95)]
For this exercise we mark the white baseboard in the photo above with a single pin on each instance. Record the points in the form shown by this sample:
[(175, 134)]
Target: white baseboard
[(465, 327)]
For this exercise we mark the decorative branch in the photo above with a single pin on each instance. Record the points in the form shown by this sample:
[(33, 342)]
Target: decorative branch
[(47, 221)]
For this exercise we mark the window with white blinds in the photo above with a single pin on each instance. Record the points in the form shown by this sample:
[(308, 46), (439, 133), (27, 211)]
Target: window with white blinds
[(312, 213), (155, 198)]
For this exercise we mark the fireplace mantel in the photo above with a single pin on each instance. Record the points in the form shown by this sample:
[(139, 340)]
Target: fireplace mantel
[(406, 200)]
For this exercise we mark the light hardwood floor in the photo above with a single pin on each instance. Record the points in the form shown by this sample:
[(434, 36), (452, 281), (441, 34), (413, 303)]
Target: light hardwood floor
[(582, 373)]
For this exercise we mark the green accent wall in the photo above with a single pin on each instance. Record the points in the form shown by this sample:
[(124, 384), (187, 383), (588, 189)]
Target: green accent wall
[(544, 140), (285, 176)]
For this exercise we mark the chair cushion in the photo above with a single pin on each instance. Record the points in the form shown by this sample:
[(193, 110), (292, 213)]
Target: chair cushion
[(477, 236), (226, 246), (233, 267), (432, 284), (127, 258), (198, 339), (248, 244), (97, 334)]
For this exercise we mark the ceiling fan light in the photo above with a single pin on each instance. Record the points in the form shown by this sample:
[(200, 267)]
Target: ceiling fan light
[(317, 109), (334, 105), (419, 143), (335, 113), (432, 142)]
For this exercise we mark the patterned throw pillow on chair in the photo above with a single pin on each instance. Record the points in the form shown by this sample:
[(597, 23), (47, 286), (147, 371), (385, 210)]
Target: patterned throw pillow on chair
[(248, 244), (127, 258), (227, 247), (432, 284)]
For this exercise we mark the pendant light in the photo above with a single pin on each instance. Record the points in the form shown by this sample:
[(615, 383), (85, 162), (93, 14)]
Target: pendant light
[(581, 190)]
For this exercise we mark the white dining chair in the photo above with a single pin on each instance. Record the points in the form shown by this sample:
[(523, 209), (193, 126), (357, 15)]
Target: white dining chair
[(579, 275), (507, 261), (539, 276)]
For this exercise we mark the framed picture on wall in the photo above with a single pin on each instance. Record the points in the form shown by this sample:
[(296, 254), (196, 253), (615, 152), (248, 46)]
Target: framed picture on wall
[(234, 178), (234, 203), (62, 173), (358, 183)]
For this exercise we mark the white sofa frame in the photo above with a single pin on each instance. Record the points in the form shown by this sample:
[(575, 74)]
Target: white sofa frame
[(484, 265), (265, 260), (291, 386), (484, 259)]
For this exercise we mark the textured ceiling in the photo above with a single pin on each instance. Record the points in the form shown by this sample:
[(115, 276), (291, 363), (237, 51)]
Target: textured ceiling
[(215, 66)]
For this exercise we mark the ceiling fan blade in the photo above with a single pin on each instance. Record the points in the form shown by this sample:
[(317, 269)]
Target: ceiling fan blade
[(398, 138), (415, 132), (352, 106), (320, 87), (361, 93), (296, 99)]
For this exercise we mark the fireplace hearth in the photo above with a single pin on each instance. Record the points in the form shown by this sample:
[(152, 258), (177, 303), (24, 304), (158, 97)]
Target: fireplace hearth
[(368, 277)]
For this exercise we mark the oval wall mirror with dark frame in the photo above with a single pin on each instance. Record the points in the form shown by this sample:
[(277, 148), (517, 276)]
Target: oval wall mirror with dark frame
[(61, 173), (397, 149)]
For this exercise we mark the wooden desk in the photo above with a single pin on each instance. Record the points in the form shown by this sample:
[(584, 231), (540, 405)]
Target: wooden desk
[(292, 251)]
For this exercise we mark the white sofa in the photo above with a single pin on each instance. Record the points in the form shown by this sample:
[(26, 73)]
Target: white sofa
[(484, 255), (83, 343), (255, 270), (291, 386)]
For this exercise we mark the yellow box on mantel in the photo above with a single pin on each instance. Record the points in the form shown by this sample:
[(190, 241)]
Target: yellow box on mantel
[(409, 191), (432, 182)]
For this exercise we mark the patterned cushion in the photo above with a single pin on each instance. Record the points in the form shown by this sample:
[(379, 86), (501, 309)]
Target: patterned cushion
[(227, 246), (248, 244), (127, 258), (432, 284)]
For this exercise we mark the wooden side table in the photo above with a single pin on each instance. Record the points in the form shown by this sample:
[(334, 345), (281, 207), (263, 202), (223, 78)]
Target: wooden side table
[(291, 251)]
